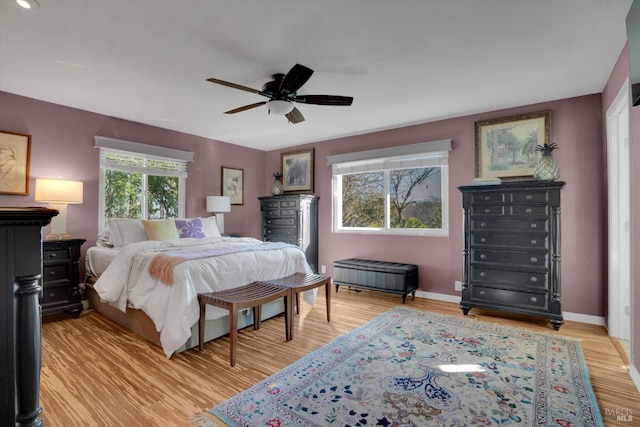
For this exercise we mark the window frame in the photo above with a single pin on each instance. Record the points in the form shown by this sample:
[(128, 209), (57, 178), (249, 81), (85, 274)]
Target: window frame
[(145, 152), (431, 154)]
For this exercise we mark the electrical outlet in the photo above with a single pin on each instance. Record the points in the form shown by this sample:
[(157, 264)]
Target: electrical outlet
[(458, 285), (323, 269)]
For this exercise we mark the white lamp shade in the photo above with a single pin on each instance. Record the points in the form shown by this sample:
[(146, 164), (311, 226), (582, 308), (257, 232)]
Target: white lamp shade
[(279, 107), (58, 191), (218, 204)]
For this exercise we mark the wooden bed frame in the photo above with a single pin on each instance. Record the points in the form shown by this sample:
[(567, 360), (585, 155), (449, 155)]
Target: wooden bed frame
[(139, 323)]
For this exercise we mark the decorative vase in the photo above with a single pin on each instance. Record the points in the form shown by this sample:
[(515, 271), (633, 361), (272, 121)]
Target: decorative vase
[(546, 169), (276, 188)]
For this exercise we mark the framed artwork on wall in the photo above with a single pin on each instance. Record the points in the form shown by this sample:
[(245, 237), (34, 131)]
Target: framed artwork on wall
[(15, 158), (297, 171), (233, 184), (505, 147)]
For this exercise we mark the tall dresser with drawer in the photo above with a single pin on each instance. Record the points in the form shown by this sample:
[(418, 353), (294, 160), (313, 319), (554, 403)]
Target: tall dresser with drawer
[(511, 254), (292, 219)]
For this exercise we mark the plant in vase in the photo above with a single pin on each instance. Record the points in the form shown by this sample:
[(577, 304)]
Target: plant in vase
[(546, 169), (276, 188)]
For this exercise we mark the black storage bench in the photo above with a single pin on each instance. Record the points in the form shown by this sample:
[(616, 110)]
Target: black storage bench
[(382, 276)]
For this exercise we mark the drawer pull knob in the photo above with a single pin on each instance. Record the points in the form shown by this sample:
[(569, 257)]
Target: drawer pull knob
[(483, 293), (483, 256), (483, 240), (533, 299), (487, 210), (52, 273), (534, 225), (53, 255), (534, 279), (533, 259), (534, 241), (483, 224), (487, 197), (51, 295), (483, 274), (528, 210), (529, 197)]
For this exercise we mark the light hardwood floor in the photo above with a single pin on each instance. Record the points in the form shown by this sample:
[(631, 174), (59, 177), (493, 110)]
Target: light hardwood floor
[(96, 373)]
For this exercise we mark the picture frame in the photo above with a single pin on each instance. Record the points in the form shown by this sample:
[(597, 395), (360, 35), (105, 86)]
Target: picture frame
[(233, 184), (297, 171), (505, 147), (15, 162)]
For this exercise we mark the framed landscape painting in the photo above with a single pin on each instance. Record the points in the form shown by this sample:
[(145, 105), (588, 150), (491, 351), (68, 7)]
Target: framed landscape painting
[(233, 185), (505, 147), (297, 171), (15, 156)]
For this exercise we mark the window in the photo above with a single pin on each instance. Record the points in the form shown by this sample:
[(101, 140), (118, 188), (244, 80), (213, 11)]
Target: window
[(399, 190), (140, 181)]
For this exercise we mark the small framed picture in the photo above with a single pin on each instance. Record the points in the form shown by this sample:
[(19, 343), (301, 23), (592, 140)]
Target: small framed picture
[(505, 147), (15, 158), (233, 185), (297, 171)]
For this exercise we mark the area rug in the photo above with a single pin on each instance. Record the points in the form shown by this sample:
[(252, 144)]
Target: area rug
[(415, 368)]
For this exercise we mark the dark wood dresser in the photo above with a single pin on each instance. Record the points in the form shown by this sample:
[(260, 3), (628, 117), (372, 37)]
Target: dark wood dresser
[(511, 255), (20, 324), (292, 219), (61, 277)]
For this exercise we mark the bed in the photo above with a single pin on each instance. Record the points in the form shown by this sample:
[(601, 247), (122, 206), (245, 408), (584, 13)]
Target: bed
[(125, 284)]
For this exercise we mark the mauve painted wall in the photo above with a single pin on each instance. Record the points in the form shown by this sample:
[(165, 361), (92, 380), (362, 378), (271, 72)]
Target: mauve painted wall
[(576, 128), (62, 141), (617, 78)]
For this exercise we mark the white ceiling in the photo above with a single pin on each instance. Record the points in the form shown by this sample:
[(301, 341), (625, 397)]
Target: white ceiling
[(404, 61)]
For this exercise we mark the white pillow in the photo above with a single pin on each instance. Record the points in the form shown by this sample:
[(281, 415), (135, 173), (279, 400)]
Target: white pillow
[(210, 227), (125, 230)]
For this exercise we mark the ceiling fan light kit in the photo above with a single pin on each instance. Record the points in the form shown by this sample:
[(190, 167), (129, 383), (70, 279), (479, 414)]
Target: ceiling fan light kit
[(279, 107), (28, 4), (282, 93)]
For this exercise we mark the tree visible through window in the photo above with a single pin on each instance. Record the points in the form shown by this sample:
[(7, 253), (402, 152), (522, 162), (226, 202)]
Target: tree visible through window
[(414, 199)]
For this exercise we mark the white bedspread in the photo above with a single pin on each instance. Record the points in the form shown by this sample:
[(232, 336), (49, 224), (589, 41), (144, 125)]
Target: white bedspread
[(174, 308)]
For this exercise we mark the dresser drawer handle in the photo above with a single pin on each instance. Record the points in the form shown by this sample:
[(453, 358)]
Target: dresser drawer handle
[(52, 294), (529, 197), (534, 241), (268, 231), (483, 293), (483, 239), (487, 198), (533, 299), (533, 279), (483, 256), (52, 273), (483, 224), (268, 221), (53, 255), (533, 259), (487, 210), (528, 210), (483, 274), (534, 225)]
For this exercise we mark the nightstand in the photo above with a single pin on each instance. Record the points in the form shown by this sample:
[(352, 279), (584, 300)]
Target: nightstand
[(61, 277)]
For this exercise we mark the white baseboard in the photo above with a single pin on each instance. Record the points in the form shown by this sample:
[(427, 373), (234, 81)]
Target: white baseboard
[(574, 317)]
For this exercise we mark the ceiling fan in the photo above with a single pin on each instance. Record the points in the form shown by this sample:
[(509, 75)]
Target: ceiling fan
[(282, 92)]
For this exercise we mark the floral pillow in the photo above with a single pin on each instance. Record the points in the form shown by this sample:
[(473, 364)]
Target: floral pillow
[(190, 228)]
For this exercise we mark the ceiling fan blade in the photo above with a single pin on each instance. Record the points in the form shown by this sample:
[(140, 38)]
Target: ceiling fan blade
[(295, 78), (295, 116), (233, 85), (245, 108), (323, 99)]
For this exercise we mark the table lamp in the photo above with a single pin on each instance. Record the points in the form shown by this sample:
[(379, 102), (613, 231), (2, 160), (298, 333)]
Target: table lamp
[(217, 205), (58, 193)]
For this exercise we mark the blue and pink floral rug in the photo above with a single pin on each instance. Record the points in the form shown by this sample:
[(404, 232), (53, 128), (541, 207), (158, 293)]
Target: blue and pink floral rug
[(415, 368)]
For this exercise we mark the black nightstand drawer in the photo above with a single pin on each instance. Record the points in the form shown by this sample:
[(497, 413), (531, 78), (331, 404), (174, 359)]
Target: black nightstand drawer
[(280, 222), (522, 240), (512, 258), (529, 196), (55, 255), (532, 224), (515, 279), (52, 273), (280, 232), (54, 295)]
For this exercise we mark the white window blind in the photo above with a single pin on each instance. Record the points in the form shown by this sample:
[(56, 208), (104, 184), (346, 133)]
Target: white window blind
[(133, 157), (427, 154)]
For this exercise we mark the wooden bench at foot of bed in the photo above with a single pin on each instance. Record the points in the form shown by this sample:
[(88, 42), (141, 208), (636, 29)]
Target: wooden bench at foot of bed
[(254, 295)]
